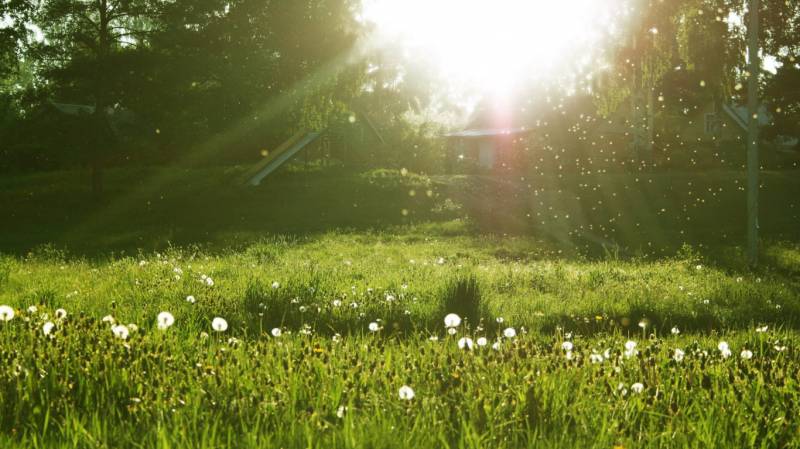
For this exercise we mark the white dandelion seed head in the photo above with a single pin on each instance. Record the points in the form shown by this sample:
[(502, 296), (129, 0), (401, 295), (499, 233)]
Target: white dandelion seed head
[(675, 330), (500, 320), (637, 388), (337, 303), (165, 320), (725, 353), (465, 343), (747, 354), (219, 324), (433, 338), (723, 346), (47, 328), (452, 331), (630, 345), (120, 331), (496, 346), (276, 332), (596, 358), (643, 324), (340, 411), (678, 355), (191, 299), (762, 329), (569, 355), (61, 314), (510, 332), (482, 341), (567, 346), (452, 320), (6, 313), (390, 297), (209, 282), (406, 393), (32, 309), (275, 285), (374, 327)]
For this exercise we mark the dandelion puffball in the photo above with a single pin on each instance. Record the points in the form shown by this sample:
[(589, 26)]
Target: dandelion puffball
[(482, 341), (61, 314), (120, 331), (191, 299), (675, 330), (165, 320), (374, 327), (6, 313), (276, 332), (637, 388), (567, 346), (452, 320), (47, 327), (219, 324), (747, 354), (678, 355), (406, 393), (465, 343), (510, 332)]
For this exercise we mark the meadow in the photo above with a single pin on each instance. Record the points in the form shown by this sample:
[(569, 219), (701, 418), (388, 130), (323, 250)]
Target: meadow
[(316, 311)]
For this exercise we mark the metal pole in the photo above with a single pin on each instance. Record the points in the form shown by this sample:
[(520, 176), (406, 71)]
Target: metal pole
[(752, 136)]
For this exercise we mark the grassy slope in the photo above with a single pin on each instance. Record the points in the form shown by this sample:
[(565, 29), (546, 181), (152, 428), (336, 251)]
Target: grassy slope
[(83, 388)]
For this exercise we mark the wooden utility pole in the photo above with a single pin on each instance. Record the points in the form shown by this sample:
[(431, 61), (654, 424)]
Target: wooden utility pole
[(752, 136)]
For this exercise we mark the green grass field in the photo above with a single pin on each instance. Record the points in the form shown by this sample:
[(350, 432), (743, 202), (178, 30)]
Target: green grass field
[(357, 271)]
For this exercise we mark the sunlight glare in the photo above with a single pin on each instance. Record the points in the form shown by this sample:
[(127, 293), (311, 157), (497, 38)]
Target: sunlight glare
[(494, 46)]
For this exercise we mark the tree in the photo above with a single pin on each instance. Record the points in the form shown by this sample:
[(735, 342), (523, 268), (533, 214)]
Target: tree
[(84, 41)]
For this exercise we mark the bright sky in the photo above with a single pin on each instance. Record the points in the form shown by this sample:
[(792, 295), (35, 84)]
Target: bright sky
[(494, 46)]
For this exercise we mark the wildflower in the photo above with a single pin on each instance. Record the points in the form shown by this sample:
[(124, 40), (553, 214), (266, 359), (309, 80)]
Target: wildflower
[(276, 332), (482, 341), (678, 355), (120, 331), (165, 320), (337, 303), (108, 319), (32, 309), (465, 343), (340, 411), (374, 327), (209, 282), (630, 349), (275, 285), (762, 329), (390, 297), (637, 387), (746, 354), (595, 358), (567, 346), (510, 332), (47, 327), (643, 324), (496, 346), (219, 324), (724, 350), (675, 330), (406, 393), (499, 320), (61, 314), (569, 355), (433, 338), (451, 331), (190, 299), (132, 327), (452, 320), (6, 313)]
